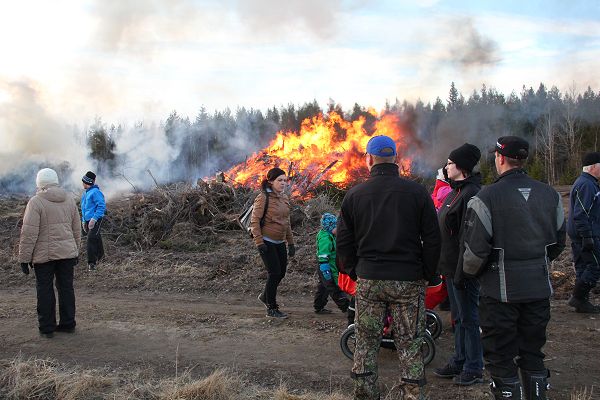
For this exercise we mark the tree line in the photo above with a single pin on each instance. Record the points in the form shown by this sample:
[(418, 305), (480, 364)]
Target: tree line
[(559, 126)]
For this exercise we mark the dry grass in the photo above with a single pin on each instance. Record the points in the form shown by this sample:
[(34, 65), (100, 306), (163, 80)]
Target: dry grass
[(47, 380), (583, 394)]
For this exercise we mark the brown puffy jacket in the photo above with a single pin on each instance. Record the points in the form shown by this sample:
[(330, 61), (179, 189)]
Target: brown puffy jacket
[(277, 218), (51, 229)]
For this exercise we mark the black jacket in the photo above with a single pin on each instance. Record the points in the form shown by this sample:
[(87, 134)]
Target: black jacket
[(451, 218), (388, 229), (514, 228)]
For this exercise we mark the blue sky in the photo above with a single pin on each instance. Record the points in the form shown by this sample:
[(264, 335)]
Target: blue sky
[(140, 59)]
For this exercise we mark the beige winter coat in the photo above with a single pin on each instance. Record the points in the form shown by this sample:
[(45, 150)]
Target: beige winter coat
[(51, 229)]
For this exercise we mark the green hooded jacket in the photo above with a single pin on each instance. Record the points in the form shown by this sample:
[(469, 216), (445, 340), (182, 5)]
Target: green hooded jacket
[(326, 251)]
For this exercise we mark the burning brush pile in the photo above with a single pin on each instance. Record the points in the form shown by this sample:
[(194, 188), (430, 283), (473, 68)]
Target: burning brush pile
[(326, 155)]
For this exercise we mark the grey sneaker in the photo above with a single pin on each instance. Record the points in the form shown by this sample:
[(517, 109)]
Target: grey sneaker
[(323, 311), (91, 267), (275, 313)]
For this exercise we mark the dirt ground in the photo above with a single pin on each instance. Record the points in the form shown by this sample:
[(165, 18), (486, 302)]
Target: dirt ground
[(160, 311)]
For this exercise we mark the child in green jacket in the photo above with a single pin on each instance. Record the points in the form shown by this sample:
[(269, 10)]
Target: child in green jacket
[(327, 269)]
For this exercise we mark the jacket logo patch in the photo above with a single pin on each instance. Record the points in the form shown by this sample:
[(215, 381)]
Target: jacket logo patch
[(525, 192)]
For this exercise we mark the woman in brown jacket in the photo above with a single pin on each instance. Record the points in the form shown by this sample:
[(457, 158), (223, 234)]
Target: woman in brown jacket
[(50, 244), (271, 230)]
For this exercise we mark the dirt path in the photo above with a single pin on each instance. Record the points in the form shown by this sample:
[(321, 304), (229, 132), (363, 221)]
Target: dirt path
[(149, 331)]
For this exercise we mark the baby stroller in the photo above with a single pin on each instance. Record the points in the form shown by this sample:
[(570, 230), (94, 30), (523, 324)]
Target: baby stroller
[(433, 322)]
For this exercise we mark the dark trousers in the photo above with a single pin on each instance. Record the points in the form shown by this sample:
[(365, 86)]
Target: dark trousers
[(275, 260), (328, 288), (45, 273), (513, 331), (587, 263), (468, 353), (95, 248)]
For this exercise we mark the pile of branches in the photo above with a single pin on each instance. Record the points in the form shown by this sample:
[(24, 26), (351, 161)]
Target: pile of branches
[(177, 216)]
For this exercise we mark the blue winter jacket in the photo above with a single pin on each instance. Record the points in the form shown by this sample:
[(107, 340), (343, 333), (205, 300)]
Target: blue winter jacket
[(92, 204), (584, 208)]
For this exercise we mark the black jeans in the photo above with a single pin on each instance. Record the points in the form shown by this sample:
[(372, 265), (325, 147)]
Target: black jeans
[(276, 262), (95, 248), (45, 273), (328, 288), (513, 331)]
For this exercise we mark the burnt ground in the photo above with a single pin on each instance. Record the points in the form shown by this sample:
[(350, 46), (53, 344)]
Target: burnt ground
[(155, 310)]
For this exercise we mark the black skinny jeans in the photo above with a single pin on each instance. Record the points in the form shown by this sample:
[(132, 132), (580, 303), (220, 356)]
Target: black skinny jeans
[(275, 260), (45, 273)]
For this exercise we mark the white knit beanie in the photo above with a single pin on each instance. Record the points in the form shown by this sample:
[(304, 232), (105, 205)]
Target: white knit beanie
[(46, 177)]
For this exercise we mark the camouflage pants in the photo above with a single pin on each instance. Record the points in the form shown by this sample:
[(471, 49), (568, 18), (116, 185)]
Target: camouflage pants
[(407, 306)]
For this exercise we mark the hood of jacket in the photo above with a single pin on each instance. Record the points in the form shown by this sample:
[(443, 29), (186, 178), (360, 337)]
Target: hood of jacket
[(52, 193)]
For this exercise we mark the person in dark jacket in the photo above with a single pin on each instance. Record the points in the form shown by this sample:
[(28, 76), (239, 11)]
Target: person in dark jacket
[(583, 227), (93, 207), (513, 228), (388, 239), (271, 229), (466, 364)]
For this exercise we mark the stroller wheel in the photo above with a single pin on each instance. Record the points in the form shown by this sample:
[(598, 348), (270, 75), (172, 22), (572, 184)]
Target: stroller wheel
[(348, 342), (433, 324), (428, 349)]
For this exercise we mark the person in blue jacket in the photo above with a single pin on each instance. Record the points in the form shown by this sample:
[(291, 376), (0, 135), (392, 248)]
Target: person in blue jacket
[(93, 207), (583, 228)]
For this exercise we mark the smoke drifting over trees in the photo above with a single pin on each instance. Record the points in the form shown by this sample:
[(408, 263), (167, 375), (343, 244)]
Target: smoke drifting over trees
[(559, 126)]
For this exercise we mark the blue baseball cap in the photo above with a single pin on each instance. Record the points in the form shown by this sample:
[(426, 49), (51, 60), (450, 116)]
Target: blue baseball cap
[(382, 146)]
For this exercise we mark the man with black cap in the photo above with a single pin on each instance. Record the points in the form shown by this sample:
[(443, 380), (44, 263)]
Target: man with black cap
[(513, 229), (584, 230), (388, 239), (93, 207)]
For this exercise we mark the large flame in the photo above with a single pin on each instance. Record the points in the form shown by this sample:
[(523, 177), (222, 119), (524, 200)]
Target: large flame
[(327, 147)]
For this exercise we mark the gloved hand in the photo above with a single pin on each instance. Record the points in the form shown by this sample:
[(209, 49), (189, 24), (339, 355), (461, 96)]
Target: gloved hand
[(325, 271), (84, 227), (25, 268), (92, 223), (291, 250), (262, 249), (588, 243)]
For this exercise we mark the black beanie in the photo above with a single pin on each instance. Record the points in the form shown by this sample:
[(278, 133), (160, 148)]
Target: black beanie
[(274, 173), (465, 157), (591, 159), (89, 178)]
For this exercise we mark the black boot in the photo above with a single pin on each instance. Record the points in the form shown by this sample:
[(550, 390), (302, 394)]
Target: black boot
[(506, 388), (535, 384), (580, 299)]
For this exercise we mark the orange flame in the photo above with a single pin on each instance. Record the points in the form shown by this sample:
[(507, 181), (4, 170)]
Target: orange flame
[(327, 147)]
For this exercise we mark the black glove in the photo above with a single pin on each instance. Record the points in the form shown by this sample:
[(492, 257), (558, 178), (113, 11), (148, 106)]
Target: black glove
[(291, 250), (25, 268), (588, 243), (262, 249)]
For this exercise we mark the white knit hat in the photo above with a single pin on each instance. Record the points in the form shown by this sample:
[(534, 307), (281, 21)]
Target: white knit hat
[(46, 177)]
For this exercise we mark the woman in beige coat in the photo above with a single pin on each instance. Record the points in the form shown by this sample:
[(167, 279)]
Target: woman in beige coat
[(50, 244)]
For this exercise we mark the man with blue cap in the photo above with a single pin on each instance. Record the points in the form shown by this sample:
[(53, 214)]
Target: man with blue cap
[(388, 240)]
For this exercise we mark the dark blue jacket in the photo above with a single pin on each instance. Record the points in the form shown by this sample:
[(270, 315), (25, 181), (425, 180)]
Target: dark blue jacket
[(92, 204), (584, 208)]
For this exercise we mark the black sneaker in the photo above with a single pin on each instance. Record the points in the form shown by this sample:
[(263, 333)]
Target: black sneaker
[(468, 378), (447, 371), (60, 328), (91, 267), (261, 298), (323, 311), (275, 313), (47, 335)]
